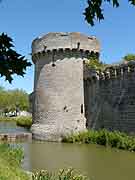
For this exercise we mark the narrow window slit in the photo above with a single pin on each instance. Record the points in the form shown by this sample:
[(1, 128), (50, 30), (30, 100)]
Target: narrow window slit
[(81, 108)]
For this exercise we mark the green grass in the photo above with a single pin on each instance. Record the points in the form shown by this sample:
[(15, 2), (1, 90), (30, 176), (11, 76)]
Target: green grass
[(10, 160), (103, 137), (6, 119), (24, 121), (63, 174)]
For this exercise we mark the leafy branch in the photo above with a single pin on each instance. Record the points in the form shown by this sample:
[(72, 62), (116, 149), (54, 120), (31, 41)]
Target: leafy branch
[(94, 10), (11, 62)]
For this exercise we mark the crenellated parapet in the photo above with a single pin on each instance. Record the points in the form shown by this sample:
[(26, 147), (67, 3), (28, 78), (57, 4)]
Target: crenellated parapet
[(60, 53), (66, 44), (110, 72)]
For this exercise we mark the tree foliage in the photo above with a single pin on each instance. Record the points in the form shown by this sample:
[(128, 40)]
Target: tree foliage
[(11, 62), (94, 10), (94, 62), (11, 100), (129, 57)]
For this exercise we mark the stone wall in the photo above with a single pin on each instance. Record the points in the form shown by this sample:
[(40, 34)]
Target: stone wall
[(92, 99), (111, 98), (66, 91), (58, 97)]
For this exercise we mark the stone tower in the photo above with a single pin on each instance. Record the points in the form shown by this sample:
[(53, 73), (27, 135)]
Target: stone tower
[(58, 97)]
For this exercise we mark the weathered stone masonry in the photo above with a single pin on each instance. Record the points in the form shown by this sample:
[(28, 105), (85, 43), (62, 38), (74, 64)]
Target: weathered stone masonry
[(58, 97), (68, 96), (110, 98)]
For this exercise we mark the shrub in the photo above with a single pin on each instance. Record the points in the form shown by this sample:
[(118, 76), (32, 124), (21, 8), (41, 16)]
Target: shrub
[(24, 121), (63, 174), (103, 137)]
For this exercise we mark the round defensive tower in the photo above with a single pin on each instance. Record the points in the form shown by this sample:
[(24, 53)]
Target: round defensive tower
[(58, 97)]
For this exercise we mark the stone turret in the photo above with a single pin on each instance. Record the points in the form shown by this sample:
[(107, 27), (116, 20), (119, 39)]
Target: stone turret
[(58, 97)]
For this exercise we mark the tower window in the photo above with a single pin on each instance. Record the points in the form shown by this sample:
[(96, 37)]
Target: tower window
[(81, 108), (78, 45)]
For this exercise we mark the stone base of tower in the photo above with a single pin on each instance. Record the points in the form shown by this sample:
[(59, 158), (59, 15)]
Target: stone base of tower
[(55, 133), (45, 133)]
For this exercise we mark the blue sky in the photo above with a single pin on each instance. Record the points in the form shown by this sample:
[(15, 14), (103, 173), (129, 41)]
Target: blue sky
[(24, 20)]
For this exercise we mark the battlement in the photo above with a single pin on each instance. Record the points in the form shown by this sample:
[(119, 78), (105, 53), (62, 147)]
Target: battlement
[(111, 72), (67, 52), (63, 42), (69, 96)]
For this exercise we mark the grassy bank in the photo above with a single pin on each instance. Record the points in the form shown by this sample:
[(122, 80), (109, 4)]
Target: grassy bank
[(10, 168), (68, 174), (6, 119), (103, 137), (24, 121), (10, 161)]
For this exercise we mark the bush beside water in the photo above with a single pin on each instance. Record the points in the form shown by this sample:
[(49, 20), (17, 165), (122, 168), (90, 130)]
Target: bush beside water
[(24, 121), (103, 137)]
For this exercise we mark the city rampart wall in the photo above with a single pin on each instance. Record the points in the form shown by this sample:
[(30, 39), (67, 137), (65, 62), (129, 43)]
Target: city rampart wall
[(110, 98)]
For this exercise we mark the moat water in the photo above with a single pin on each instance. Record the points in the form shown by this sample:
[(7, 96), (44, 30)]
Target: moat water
[(10, 127), (97, 162)]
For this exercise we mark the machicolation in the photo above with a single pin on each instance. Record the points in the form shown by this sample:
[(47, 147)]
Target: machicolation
[(69, 97)]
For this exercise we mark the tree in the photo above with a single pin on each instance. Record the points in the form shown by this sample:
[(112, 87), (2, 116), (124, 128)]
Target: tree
[(10, 61), (94, 62), (21, 100), (12, 100), (129, 57), (94, 9)]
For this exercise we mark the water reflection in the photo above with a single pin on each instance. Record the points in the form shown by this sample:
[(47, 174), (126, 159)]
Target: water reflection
[(11, 127), (97, 162)]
